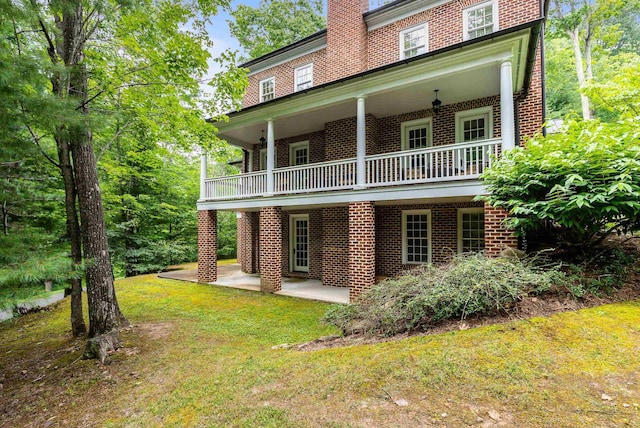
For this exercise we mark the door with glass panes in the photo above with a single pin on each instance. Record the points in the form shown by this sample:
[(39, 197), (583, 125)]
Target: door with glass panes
[(299, 224)]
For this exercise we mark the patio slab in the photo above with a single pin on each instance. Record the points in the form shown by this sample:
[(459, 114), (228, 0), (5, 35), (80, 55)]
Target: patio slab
[(231, 276)]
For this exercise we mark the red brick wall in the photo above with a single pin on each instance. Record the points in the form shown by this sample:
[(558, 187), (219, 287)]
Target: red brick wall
[(335, 246), (444, 27), (529, 111), (207, 246), (362, 248), (352, 49), (248, 242), (271, 249), (316, 149), (444, 124), (346, 38), (284, 74), (444, 234), (496, 236)]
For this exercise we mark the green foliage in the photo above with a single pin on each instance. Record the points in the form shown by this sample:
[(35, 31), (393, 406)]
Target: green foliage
[(27, 260), (562, 91), (470, 284), (274, 24), (617, 90), (603, 273), (582, 182)]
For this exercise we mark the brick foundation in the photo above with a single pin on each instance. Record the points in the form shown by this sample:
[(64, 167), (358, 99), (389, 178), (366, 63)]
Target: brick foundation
[(496, 236), (271, 249), (362, 248), (207, 246), (248, 242)]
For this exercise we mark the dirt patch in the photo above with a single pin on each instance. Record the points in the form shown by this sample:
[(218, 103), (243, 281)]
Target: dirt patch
[(155, 331)]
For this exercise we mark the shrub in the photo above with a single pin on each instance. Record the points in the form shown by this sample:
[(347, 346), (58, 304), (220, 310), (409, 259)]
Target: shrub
[(470, 284), (582, 183)]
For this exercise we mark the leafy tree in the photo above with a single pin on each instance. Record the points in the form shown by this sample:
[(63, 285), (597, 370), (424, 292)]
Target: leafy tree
[(274, 24), (109, 68), (582, 184), (592, 25)]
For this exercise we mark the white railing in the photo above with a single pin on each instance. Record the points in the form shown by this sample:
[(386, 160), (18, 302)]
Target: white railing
[(462, 161), (236, 186), (315, 177), (450, 162)]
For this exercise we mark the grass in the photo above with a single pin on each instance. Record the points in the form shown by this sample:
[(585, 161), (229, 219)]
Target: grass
[(202, 355)]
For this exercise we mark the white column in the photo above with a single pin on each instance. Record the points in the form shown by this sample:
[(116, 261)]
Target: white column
[(361, 139), (508, 126), (250, 166), (203, 175), (271, 160)]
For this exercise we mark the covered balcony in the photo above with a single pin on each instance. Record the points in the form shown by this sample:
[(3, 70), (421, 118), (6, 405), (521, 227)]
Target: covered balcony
[(463, 161), (362, 152)]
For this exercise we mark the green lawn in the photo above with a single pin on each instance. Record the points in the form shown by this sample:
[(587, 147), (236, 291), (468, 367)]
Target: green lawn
[(202, 355)]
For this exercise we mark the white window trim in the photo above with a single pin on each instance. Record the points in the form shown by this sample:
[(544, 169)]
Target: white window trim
[(295, 76), (262, 163), (273, 79), (294, 146), (424, 27), (462, 211), (292, 259), (405, 213), (461, 115), (414, 124), (465, 16)]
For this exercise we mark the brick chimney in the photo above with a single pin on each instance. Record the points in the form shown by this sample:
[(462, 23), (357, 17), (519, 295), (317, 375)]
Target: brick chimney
[(346, 38)]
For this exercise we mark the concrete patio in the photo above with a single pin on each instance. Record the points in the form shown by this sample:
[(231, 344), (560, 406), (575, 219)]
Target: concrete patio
[(231, 276)]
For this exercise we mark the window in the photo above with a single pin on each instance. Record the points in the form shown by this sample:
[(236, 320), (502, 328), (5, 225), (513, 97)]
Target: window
[(267, 89), (263, 158), (413, 41), (416, 236), (304, 77), (474, 125), (299, 153), (470, 230), (416, 134), (480, 19)]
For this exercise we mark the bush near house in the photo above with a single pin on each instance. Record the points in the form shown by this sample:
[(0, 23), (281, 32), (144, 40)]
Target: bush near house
[(470, 284), (582, 184)]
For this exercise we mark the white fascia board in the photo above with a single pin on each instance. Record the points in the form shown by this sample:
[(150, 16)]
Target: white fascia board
[(393, 14), (311, 47), (424, 192)]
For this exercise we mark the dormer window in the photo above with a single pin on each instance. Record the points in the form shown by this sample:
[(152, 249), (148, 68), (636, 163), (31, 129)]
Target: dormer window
[(413, 41), (304, 77), (480, 19), (267, 89)]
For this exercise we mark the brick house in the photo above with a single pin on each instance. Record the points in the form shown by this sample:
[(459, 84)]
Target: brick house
[(363, 143)]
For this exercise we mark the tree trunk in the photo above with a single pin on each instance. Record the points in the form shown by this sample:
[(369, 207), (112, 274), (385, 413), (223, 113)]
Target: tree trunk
[(104, 312), (73, 230), (575, 41)]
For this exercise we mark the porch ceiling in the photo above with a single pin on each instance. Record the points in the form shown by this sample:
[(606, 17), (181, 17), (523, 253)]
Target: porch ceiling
[(467, 73)]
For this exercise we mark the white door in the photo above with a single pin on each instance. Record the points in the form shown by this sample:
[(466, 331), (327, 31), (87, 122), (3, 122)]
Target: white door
[(299, 243)]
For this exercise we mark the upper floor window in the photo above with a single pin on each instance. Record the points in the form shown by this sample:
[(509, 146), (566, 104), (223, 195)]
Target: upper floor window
[(416, 134), (480, 19), (263, 158), (304, 77), (474, 125), (267, 89), (299, 153), (413, 41)]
